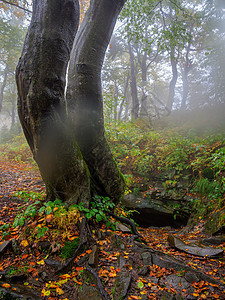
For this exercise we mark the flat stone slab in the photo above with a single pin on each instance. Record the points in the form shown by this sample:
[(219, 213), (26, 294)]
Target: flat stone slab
[(121, 227), (194, 250)]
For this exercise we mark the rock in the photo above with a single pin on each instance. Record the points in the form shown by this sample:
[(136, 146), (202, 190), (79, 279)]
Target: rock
[(89, 292), (194, 250), (93, 257), (191, 277), (17, 277), (15, 247), (143, 271), (122, 285), (153, 212), (44, 245), (43, 275), (213, 241), (213, 225), (121, 227), (177, 282), (122, 262), (53, 263), (147, 258), (4, 246), (21, 293)]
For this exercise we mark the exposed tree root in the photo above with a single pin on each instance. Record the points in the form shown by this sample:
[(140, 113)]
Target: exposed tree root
[(101, 288), (128, 222)]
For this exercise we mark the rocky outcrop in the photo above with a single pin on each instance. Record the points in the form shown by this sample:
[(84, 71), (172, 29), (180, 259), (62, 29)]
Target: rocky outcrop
[(158, 209)]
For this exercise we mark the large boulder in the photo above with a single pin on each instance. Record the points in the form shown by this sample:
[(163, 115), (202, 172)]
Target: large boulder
[(153, 211)]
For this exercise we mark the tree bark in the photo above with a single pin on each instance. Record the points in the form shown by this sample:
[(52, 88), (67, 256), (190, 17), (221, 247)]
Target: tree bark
[(40, 77), (133, 86), (5, 74), (67, 137), (84, 96), (124, 96), (173, 81), (187, 68)]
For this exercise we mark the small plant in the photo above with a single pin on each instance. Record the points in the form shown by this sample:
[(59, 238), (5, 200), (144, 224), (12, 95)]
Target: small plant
[(206, 187), (49, 206), (14, 271), (69, 248), (24, 195), (99, 206), (29, 213)]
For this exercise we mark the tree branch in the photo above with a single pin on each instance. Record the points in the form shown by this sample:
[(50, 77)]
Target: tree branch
[(18, 6)]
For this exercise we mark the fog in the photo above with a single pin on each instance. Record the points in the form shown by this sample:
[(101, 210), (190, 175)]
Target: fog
[(162, 64)]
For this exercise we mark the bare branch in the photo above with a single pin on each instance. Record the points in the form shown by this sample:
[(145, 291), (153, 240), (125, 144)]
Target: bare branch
[(18, 6)]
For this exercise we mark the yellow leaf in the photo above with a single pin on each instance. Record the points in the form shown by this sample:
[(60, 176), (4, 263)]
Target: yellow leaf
[(24, 243), (41, 262), (45, 292)]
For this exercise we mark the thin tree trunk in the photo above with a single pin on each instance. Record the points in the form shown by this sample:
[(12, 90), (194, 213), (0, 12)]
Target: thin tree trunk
[(124, 96), (133, 86), (5, 76), (186, 70), (143, 109), (173, 81), (13, 115), (116, 96)]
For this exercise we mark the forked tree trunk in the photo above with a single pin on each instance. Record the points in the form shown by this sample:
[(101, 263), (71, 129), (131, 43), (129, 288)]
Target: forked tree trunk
[(67, 140)]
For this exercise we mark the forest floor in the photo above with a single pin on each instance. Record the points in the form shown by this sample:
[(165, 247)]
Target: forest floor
[(123, 265)]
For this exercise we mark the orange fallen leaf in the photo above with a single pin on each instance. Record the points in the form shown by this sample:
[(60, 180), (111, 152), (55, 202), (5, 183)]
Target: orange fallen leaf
[(6, 285), (24, 256), (59, 291), (49, 218)]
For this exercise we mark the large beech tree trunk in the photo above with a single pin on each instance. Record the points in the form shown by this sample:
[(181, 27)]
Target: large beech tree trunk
[(67, 137)]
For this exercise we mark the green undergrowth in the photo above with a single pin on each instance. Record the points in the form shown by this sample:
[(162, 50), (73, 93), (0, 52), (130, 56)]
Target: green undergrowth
[(170, 152), (69, 248), (172, 156)]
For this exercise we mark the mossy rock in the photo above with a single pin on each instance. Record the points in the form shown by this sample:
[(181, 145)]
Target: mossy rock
[(215, 222), (69, 248), (208, 173)]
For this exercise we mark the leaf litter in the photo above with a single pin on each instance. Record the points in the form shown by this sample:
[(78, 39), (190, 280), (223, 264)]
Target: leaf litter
[(117, 255)]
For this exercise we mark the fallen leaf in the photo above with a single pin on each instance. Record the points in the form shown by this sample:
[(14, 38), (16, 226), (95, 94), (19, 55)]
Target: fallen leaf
[(24, 243), (6, 285)]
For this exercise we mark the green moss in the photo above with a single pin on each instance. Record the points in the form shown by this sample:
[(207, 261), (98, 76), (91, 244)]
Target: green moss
[(68, 250)]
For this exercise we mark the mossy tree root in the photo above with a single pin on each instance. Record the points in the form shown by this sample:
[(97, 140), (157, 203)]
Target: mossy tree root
[(101, 288), (130, 223)]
